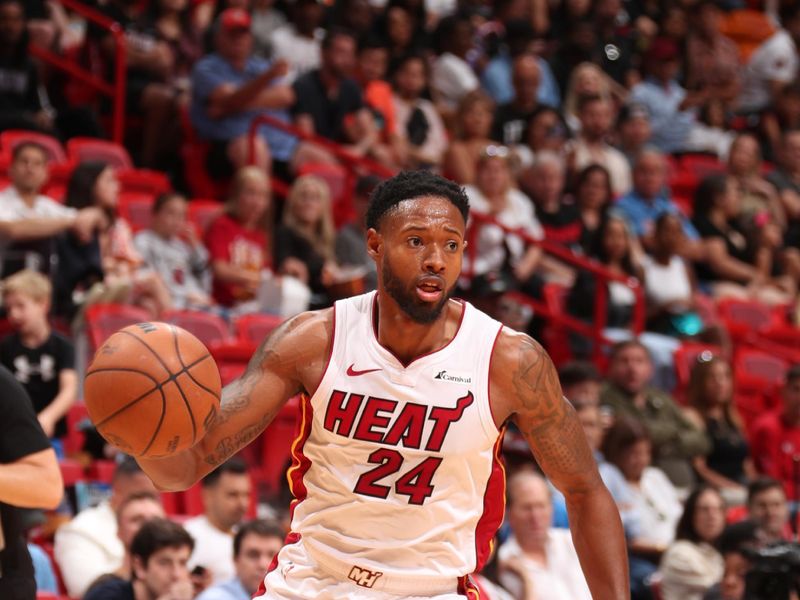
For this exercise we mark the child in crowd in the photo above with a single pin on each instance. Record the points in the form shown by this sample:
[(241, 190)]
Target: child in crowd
[(172, 249), (42, 360)]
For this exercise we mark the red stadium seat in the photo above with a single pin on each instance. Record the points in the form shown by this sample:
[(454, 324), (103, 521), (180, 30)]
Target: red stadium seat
[(207, 327), (102, 320), (143, 181), (232, 358), (71, 471), (137, 209), (102, 471), (81, 149), (11, 138), (702, 165), (77, 413), (256, 327), (743, 317), (202, 211), (762, 368)]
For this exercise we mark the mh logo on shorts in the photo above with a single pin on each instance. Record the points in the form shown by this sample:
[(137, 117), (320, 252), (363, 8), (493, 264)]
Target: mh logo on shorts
[(364, 577)]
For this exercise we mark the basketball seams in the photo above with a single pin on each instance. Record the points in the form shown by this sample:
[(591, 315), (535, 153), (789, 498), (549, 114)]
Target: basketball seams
[(178, 385), (188, 390), (160, 421)]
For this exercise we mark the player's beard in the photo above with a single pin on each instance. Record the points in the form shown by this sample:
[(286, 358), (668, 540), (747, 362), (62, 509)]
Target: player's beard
[(408, 301)]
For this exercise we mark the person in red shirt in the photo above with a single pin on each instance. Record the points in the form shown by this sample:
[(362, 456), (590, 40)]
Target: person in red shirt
[(776, 438), (238, 239)]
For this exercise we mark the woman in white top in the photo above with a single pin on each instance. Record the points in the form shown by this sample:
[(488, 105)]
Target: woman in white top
[(649, 504), (692, 564)]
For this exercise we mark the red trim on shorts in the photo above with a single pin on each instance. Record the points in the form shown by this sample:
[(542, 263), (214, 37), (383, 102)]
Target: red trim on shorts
[(291, 538), (494, 505), (469, 588)]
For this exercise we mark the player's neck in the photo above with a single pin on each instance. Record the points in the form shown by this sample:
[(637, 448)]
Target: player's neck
[(35, 337), (406, 338)]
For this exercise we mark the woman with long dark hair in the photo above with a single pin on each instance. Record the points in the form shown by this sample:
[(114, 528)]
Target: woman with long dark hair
[(711, 407), (692, 563)]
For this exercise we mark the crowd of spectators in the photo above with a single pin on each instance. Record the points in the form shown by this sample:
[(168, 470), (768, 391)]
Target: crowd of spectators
[(568, 121)]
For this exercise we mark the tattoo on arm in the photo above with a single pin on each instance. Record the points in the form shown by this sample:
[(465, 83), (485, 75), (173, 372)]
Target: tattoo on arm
[(547, 420), (239, 395)]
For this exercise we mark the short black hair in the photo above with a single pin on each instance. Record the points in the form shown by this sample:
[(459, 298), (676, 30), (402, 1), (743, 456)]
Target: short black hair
[(259, 527), (413, 184), (235, 465), (22, 146), (335, 32), (761, 485), (578, 371), (126, 467), (685, 529), (158, 534), (164, 198), (738, 536)]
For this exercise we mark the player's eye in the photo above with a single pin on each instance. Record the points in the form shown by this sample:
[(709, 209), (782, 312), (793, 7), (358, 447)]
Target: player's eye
[(414, 242), (452, 246)]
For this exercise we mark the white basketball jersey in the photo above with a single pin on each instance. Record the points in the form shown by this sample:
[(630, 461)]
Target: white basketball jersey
[(397, 467)]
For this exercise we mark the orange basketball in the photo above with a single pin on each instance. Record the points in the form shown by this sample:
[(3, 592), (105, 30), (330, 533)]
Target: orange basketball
[(152, 389)]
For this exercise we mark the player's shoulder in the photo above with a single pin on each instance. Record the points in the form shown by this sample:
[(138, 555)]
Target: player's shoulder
[(311, 329), (514, 348)]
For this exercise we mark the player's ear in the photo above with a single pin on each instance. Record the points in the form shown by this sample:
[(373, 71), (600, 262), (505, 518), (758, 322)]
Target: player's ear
[(374, 243)]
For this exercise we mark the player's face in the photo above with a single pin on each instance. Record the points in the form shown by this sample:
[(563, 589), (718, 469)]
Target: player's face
[(133, 516), (255, 555), (163, 570), (227, 501), (418, 252), (25, 313)]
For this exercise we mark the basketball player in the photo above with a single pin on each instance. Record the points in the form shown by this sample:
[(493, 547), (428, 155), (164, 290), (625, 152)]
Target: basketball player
[(406, 392)]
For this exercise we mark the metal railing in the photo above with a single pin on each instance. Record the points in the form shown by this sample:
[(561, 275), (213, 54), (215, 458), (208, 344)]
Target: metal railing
[(594, 330), (114, 90), (347, 158)]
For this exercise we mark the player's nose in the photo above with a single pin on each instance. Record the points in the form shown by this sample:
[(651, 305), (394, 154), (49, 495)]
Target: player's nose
[(433, 261)]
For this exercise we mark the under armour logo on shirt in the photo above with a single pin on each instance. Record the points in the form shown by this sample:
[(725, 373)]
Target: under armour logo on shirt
[(24, 369)]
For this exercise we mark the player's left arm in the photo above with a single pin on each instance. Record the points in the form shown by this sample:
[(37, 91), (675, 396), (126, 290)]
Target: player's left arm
[(526, 386)]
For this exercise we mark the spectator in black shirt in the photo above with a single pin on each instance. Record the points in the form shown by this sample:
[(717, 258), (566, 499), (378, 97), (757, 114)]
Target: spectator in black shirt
[(29, 478), (21, 95), (511, 120), (42, 360), (330, 103), (151, 69)]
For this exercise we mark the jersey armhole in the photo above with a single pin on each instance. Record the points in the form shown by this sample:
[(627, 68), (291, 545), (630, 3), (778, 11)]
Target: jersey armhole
[(487, 415), (331, 353)]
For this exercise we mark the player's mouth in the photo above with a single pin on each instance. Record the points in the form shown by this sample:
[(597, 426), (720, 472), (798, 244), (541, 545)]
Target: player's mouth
[(430, 289)]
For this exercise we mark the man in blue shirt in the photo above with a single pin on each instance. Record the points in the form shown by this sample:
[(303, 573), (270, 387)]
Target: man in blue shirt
[(671, 108), (497, 78), (230, 87), (649, 199), (254, 546)]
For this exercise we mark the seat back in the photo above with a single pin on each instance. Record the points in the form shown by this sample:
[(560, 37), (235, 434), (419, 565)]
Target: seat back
[(12, 138), (207, 327), (102, 320), (202, 211), (81, 149), (255, 328)]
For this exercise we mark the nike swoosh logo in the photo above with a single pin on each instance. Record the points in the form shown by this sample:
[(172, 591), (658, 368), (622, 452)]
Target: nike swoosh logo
[(353, 373)]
